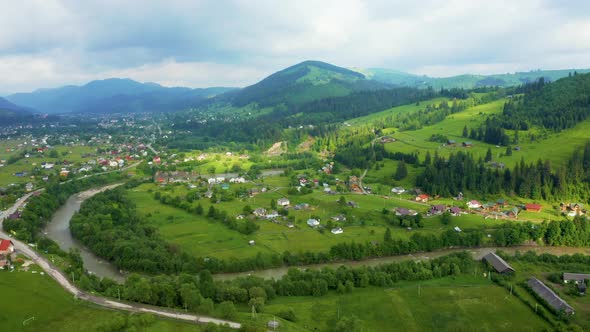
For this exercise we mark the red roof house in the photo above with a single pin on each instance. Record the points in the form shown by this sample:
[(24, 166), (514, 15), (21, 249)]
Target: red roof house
[(6, 247), (533, 207), (422, 198)]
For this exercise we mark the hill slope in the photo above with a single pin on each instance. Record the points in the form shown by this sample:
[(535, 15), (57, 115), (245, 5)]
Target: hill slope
[(113, 95), (467, 81), (303, 82), (11, 113)]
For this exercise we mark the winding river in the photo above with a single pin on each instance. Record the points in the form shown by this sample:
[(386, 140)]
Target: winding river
[(59, 231)]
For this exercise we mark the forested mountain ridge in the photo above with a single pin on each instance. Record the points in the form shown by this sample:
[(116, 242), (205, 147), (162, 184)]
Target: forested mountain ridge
[(112, 96), (11, 113), (303, 82), (556, 106)]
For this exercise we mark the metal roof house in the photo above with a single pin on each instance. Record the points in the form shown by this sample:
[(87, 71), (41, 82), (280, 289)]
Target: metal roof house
[(498, 263), (554, 301), (575, 277)]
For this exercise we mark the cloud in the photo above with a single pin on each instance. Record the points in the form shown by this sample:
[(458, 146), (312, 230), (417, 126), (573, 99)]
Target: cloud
[(237, 42)]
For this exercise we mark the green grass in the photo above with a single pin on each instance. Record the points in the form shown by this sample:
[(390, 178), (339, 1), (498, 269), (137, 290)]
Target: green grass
[(26, 295), (465, 303), (540, 270), (199, 236)]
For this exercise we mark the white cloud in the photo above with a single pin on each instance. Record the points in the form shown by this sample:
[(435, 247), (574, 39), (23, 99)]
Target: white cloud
[(236, 42)]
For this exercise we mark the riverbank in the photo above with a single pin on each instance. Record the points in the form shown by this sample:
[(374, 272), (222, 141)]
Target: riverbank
[(58, 230), (477, 254)]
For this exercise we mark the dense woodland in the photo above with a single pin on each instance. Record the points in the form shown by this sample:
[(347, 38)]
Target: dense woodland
[(462, 173)]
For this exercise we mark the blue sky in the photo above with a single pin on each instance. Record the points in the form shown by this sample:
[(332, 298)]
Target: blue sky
[(48, 43)]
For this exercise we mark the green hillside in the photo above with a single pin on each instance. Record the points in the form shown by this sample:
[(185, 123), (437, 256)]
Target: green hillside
[(304, 82)]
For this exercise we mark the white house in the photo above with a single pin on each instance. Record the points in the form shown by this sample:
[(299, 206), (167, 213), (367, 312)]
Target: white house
[(398, 190), (272, 215), (211, 180), (259, 212), (474, 204), (457, 229), (313, 222), (283, 202), (338, 230), (113, 163)]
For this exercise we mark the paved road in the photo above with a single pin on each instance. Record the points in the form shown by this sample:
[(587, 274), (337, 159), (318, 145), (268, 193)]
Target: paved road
[(56, 274)]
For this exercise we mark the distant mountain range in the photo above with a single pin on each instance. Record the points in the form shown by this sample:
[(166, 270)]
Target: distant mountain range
[(11, 113), (304, 82), (114, 95), (467, 81)]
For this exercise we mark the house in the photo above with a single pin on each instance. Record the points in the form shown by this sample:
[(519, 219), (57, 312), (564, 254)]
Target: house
[(451, 142), (422, 198), (467, 144), (398, 190), (498, 263), (501, 203), (14, 216), (455, 211), (302, 206), (474, 204), (272, 215), (251, 242), (6, 247), (352, 204), (513, 213), (259, 212), (547, 294), (29, 187), (437, 209), (457, 229), (340, 218), (284, 202), (338, 230), (64, 173), (533, 207), (313, 222), (575, 277)]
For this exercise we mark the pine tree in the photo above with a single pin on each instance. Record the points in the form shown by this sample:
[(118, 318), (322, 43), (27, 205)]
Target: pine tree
[(465, 132), (508, 150), (488, 155), (401, 171), (387, 236)]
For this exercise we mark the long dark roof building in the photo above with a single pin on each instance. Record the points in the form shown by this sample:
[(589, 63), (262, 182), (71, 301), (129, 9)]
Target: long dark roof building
[(577, 277), (498, 263), (547, 294)]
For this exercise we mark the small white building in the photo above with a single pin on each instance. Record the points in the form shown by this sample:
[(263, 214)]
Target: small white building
[(313, 222), (284, 202), (259, 212), (398, 190), (457, 229), (251, 242), (338, 230)]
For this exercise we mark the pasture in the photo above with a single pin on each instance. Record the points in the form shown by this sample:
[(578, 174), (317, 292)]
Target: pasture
[(464, 303)]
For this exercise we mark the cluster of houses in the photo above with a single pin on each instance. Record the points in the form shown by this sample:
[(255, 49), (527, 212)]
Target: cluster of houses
[(539, 288), (6, 249), (572, 209)]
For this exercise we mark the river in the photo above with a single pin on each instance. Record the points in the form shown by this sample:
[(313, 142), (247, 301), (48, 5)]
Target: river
[(59, 231), (477, 253)]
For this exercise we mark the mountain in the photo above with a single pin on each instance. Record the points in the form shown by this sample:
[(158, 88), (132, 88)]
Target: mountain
[(303, 82), (113, 96), (467, 81), (11, 113)]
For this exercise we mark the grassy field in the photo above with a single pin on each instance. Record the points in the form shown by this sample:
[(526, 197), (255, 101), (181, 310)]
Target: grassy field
[(465, 303), (26, 295), (202, 237), (541, 270)]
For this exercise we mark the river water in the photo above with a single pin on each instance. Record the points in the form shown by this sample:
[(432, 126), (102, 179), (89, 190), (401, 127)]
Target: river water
[(477, 253), (59, 231)]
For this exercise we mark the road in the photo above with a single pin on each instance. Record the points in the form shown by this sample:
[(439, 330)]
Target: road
[(56, 274)]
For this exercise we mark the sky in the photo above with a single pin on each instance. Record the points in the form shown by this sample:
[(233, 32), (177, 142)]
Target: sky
[(51, 43)]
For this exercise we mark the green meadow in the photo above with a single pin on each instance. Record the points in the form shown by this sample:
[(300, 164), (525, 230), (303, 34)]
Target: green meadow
[(465, 303), (202, 237), (26, 295)]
